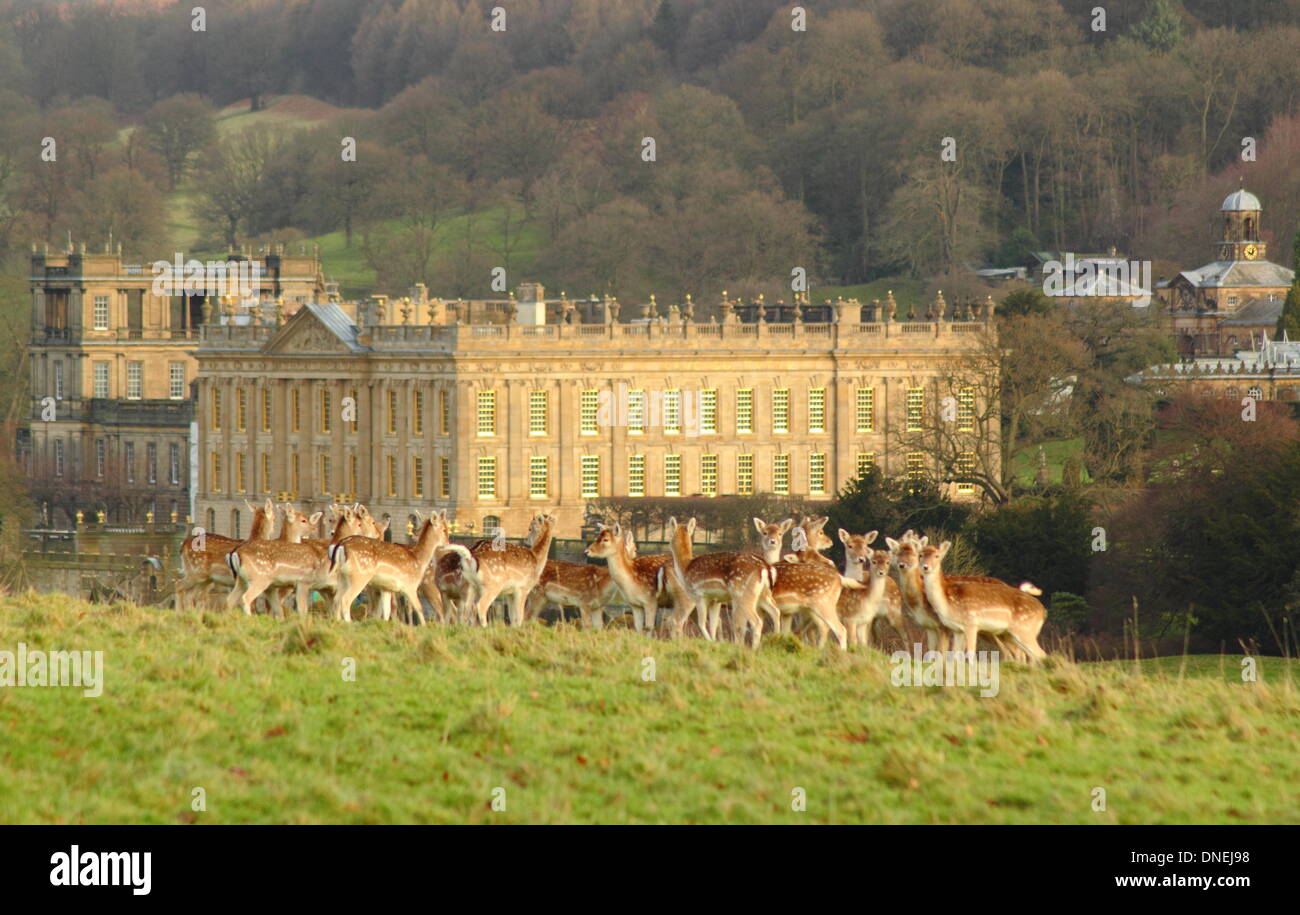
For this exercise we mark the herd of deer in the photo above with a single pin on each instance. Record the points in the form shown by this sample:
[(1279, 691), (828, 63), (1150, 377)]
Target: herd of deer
[(349, 557)]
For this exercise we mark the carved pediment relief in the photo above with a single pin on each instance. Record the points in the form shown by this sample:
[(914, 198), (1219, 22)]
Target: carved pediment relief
[(306, 335)]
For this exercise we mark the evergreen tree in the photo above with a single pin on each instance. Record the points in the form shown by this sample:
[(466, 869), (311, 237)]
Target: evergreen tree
[(1160, 29), (666, 31)]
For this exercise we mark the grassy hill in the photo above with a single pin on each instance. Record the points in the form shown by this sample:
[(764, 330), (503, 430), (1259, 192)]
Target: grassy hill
[(257, 713)]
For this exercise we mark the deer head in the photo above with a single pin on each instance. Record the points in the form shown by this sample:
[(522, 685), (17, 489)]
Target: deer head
[(770, 537), (814, 536), (931, 559), (857, 553), (607, 544), (296, 525)]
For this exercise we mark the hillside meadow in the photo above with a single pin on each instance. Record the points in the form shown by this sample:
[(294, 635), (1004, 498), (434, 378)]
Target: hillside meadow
[(559, 726)]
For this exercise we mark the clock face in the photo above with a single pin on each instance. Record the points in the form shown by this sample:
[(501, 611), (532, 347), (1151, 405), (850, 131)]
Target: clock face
[(1250, 252)]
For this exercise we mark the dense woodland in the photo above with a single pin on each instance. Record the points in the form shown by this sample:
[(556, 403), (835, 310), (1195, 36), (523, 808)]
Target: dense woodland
[(774, 148)]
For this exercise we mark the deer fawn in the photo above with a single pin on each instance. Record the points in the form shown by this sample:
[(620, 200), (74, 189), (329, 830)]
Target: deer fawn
[(741, 579), (859, 609), (986, 605), (209, 566), (392, 568), (809, 544), (644, 580), (510, 570)]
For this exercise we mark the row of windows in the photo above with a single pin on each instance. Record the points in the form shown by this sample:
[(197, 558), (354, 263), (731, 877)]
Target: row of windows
[(324, 411), (128, 461), (589, 475), (671, 416), (100, 373), (539, 473), (637, 413)]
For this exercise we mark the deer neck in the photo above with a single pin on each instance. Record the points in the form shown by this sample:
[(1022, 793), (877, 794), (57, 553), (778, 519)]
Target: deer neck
[(427, 545), (620, 566), (542, 547)]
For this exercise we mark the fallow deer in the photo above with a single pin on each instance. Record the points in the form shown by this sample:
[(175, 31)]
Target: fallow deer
[(860, 609), (451, 583), (260, 564), (983, 606), (511, 571), (645, 581), (809, 541), (587, 588), (209, 566), (392, 568), (770, 538), (741, 579)]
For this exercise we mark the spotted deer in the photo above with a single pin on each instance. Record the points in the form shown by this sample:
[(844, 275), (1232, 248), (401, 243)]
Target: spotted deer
[(209, 566), (510, 570), (813, 589), (395, 569), (860, 609), (587, 588), (741, 579), (260, 564), (983, 606), (646, 582)]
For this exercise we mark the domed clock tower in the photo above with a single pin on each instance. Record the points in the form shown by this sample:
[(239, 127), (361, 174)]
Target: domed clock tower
[(1241, 241)]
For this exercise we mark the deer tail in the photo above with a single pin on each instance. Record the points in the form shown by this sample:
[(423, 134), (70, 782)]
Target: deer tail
[(1030, 589)]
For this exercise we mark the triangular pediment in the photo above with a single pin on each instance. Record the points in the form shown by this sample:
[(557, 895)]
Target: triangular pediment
[(306, 333)]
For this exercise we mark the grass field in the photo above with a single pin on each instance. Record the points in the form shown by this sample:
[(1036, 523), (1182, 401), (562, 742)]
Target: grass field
[(257, 713)]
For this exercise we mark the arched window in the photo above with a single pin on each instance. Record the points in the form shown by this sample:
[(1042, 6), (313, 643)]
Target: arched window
[(234, 524), (212, 520), (1255, 393)]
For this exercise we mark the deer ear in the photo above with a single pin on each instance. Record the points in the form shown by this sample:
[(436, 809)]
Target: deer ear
[(821, 522), (870, 536), (893, 544), (944, 548), (759, 525), (690, 527), (844, 536), (315, 518), (787, 524), (672, 524)]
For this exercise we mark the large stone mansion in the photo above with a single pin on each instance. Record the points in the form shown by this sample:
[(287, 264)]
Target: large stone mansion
[(152, 406), (403, 407)]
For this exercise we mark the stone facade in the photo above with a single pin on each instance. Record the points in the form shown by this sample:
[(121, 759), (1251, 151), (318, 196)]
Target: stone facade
[(112, 365), (496, 421)]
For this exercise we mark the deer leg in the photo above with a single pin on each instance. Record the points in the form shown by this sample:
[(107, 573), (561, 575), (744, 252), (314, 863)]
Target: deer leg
[(345, 592), (251, 593), (413, 604)]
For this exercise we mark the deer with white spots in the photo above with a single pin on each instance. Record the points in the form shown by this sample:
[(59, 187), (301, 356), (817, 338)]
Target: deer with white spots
[(394, 569), (210, 566), (646, 582), (741, 579), (859, 609), (261, 564), (984, 606)]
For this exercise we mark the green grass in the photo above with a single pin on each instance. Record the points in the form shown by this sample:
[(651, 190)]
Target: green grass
[(1057, 453), (907, 292), (256, 712)]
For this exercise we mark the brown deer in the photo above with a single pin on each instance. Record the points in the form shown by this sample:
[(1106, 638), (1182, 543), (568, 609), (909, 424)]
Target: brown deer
[(770, 539), (860, 609), (206, 567), (392, 568), (741, 579), (645, 581), (451, 583), (510, 570), (809, 540), (813, 589), (260, 564), (587, 588), (983, 606)]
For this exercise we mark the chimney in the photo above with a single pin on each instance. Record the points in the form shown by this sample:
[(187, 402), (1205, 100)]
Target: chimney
[(419, 293), (530, 304)]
